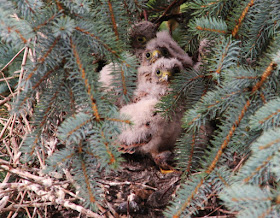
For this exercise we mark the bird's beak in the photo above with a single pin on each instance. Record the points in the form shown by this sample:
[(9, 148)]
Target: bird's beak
[(165, 76), (155, 55)]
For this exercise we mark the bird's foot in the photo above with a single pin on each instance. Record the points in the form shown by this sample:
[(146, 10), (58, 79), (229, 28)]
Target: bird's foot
[(162, 159), (163, 171)]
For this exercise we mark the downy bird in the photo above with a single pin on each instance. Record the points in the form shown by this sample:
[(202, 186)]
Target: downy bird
[(153, 81), (151, 133)]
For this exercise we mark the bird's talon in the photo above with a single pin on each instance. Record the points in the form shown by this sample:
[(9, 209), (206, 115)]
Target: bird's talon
[(166, 171)]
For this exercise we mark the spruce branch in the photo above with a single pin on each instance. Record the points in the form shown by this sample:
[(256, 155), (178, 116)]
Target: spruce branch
[(241, 18), (86, 176), (218, 71), (208, 27), (112, 15), (225, 56), (87, 85), (248, 200), (213, 164), (267, 116), (46, 22), (269, 70), (205, 4), (260, 29), (99, 40), (211, 30), (46, 75), (260, 167), (215, 8), (42, 58), (188, 168), (112, 158), (216, 158), (72, 127)]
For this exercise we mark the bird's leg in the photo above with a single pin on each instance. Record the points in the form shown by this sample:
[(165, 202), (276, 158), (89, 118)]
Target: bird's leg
[(166, 171), (130, 149), (161, 159)]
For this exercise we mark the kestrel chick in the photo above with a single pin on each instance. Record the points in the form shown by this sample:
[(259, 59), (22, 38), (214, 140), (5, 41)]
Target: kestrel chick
[(150, 134)]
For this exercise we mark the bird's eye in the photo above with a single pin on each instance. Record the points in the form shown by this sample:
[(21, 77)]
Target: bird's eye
[(141, 39), (158, 72), (148, 55)]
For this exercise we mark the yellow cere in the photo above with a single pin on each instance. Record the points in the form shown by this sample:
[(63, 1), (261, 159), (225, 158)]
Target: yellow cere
[(156, 54), (164, 76)]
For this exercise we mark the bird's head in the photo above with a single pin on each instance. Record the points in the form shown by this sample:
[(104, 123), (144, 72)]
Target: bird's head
[(164, 69), (163, 75), (152, 56), (141, 33)]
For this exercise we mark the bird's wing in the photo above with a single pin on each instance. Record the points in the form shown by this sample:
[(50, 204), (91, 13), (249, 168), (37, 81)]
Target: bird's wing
[(138, 134)]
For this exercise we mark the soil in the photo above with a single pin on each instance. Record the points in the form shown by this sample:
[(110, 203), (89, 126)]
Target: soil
[(139, 188)]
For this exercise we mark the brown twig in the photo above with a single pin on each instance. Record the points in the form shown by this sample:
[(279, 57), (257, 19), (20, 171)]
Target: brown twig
[(167, 10), (23, 63), (8, 78), (17, 54), (125, 183), (49, 191), (5, 127), (10, 89), (6, 100)]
